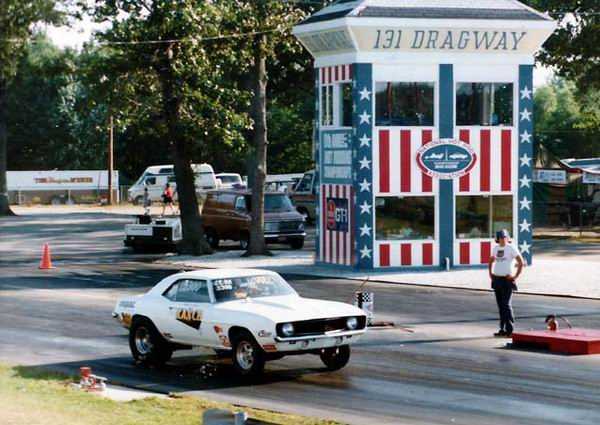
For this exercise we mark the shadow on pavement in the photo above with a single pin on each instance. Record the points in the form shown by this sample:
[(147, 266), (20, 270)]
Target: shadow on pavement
[(181, 374)]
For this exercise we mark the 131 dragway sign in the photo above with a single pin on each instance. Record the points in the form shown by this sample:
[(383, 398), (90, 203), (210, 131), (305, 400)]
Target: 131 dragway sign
[(446, 158)]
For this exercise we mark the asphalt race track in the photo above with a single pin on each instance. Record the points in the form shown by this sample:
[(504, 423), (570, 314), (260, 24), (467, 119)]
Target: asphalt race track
[(438, 366)]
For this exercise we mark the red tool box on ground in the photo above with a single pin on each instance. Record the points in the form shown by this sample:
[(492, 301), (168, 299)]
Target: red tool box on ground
[(565, 341)]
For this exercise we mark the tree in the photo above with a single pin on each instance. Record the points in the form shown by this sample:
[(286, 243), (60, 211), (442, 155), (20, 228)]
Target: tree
[(567, 120), (16, 20), (39, 109), (573, 49), (269, 23), (172, 40)]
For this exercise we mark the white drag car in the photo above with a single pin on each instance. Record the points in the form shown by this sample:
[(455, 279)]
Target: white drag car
[(254, 315)]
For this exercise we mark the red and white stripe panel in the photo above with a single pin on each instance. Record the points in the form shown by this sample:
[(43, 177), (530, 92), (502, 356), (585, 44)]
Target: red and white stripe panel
[(337, 247), (496, 167), (396, 166), (335, 74), (469, 252), (406, 254)]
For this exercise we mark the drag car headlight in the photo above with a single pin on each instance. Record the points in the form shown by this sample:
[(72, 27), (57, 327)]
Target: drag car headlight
[(352, 323), (287, 329), (301, 226)]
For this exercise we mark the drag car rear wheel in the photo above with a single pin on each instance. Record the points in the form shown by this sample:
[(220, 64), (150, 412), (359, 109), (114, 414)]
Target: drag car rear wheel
[(147, 346), (248, 357), (335, 358)]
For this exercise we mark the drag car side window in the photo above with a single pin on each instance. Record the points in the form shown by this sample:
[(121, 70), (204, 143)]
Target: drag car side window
[(188, 291)]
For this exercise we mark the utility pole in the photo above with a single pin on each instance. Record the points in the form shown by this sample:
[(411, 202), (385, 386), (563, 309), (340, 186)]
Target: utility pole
[(110, 160)]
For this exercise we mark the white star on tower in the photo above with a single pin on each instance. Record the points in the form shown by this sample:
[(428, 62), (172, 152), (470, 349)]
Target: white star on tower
[(526, 93), (525, 161), (365, 208), (365, 163), (365, 118), (525, 204), (365, 252), (365, 186), (525, 137), (365, 230), (525, 181), (524, 247), (365, 94), (525, 115), (525, 226), (365, 141)]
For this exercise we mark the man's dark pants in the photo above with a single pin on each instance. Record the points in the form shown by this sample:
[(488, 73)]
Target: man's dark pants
[(503, 288)]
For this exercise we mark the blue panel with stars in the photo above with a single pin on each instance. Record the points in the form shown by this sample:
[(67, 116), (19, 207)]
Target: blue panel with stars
[(362, 159), (525, 193)]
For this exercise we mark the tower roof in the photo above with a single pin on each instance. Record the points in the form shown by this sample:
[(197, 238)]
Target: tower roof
[(428, 9)]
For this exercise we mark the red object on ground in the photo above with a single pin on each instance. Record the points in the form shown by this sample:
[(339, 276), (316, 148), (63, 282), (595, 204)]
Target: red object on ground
[(46, 262), (565, 341), (85, 371)]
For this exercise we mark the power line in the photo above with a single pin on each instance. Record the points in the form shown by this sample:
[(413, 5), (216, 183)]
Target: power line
[(171, 41)]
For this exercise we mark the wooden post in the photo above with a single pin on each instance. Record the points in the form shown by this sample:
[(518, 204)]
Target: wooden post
[(110, 161)]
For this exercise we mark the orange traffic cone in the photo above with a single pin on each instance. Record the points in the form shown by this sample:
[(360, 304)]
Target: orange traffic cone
[(46, 263)]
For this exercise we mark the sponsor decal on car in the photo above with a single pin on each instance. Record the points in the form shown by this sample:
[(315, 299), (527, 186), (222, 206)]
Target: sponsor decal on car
[(191, 318), (222, 337), (125, 318)]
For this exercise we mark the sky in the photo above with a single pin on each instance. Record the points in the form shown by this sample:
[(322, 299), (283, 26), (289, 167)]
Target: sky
[(82, 32)]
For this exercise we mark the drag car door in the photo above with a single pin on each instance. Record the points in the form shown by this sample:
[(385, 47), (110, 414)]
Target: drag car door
[(182, 314)]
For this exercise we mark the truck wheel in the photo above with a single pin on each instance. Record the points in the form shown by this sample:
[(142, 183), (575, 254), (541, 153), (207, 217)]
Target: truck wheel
[(248, 357), (147, 346), (138, 200), (335, 358), (304, 213), (244, 241), (297, 243), (212, 238)]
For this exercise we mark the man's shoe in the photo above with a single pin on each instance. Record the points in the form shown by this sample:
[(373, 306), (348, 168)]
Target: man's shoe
[(500, 334)]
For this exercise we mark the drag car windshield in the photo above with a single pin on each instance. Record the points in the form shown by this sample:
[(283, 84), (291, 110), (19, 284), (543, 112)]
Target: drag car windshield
[(240, 288)]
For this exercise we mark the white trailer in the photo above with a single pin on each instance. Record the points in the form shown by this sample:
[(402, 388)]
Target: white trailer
[(60, 186)]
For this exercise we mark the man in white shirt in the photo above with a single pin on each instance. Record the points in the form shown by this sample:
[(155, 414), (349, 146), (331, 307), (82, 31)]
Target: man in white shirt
[(502, 273)]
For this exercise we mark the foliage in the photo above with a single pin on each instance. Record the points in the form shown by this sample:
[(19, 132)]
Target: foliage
[(567, 120), (290, 135), (16, 20), (573, 49)]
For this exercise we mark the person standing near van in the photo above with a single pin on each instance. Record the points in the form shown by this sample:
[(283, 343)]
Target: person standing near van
[(147, 202), (501, 268), (167, 197)]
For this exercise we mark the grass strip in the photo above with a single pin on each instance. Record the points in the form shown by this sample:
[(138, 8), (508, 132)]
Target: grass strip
[(34, 396)]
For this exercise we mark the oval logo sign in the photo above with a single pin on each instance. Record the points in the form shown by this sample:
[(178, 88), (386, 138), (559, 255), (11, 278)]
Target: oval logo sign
[(446, 158)]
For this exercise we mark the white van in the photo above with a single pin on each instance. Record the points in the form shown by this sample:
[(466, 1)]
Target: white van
[(156, 177)]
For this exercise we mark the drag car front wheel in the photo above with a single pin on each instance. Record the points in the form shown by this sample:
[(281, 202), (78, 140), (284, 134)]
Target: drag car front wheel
[(147, 346), (335, 358), (248, 357)]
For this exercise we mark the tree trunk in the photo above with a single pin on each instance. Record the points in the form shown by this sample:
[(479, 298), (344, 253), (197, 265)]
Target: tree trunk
[(257, 244), (193, 242), (4, 207)]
